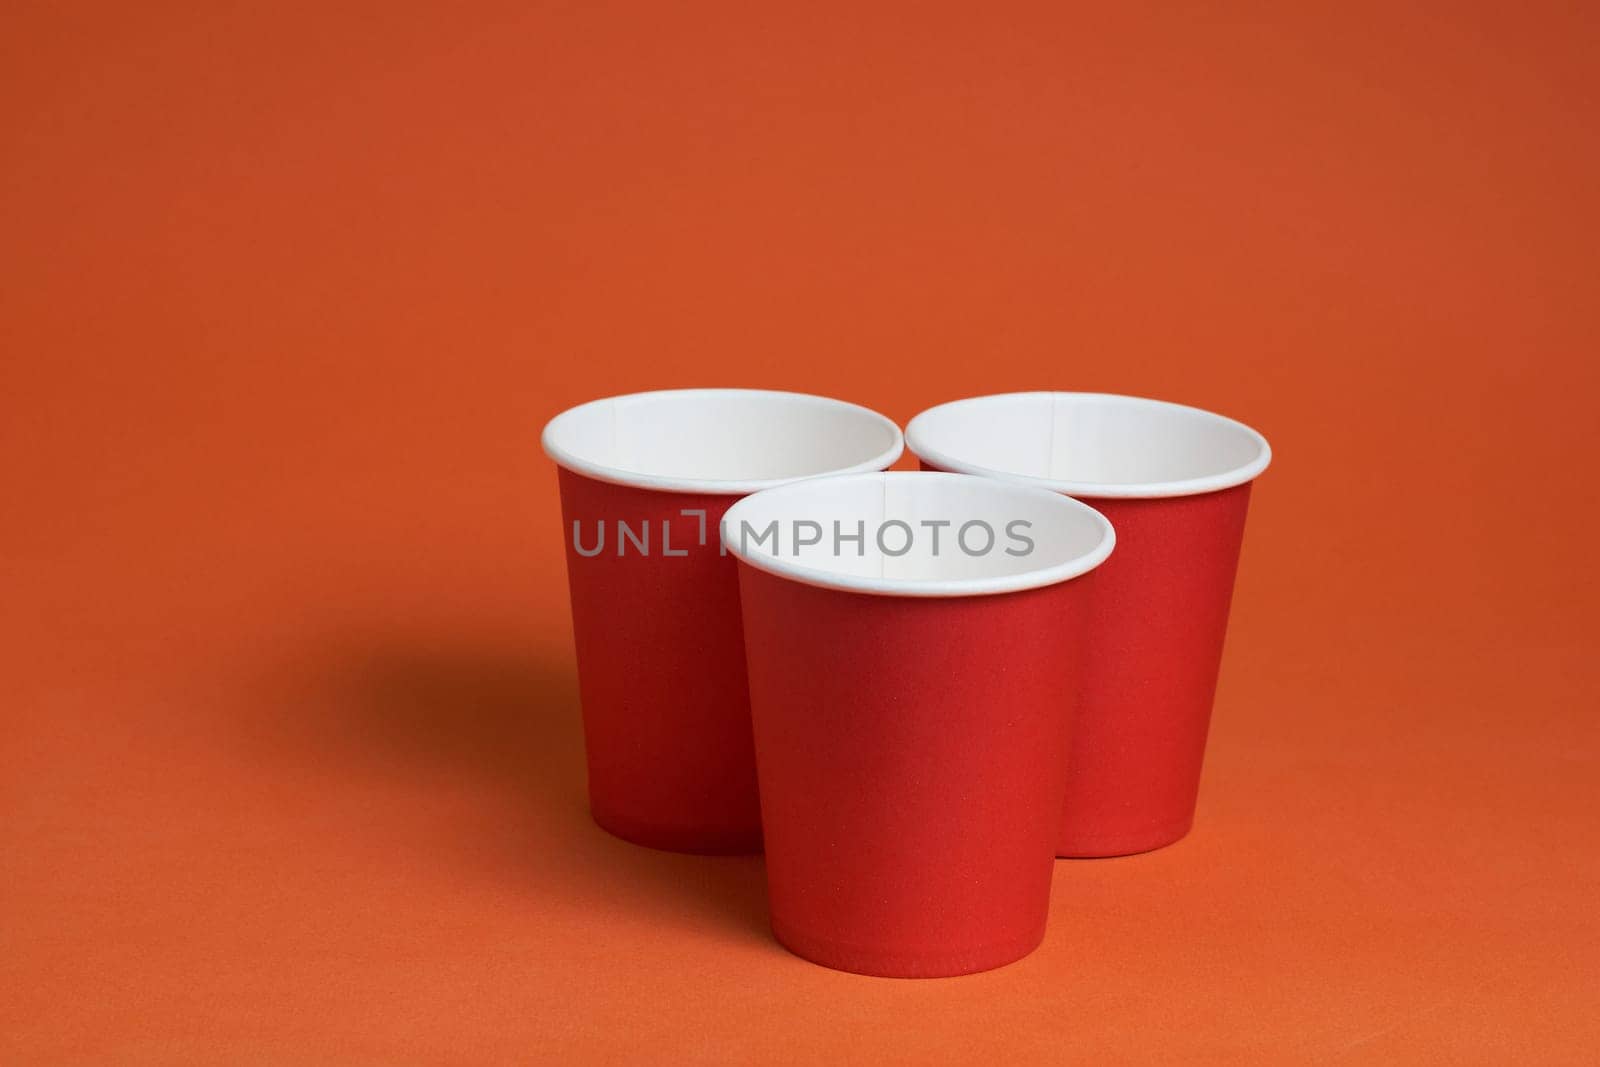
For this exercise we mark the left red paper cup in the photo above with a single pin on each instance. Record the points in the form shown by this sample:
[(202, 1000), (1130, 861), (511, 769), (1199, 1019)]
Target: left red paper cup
[(645, 480)]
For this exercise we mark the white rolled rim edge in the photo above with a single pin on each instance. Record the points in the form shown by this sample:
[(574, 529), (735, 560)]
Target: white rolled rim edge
[(1210, 483), (600, 472), (941, 587)]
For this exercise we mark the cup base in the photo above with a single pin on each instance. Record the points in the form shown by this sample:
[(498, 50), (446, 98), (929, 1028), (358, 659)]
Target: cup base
[(1091, 846), (694, 841), (937, 964)]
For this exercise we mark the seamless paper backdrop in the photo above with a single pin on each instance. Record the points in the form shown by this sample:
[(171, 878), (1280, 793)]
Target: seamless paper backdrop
[(290, 760)]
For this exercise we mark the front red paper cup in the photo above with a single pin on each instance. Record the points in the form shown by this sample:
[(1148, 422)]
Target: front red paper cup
[(905, 635), (645, 480), (1175, 483)]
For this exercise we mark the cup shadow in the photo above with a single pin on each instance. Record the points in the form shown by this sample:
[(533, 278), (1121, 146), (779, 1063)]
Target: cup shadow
[(500, 729)]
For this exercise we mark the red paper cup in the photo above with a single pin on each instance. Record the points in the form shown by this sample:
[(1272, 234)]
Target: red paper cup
[(909, 710), (1175, 482), (645, 480)]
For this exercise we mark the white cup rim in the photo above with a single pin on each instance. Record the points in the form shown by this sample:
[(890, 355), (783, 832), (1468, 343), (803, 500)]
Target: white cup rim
[(551, 439), (921, 437), (1052, 574)]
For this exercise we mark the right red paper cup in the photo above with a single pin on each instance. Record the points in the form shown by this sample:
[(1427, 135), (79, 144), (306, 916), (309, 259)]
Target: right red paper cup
[(912, 641), (1175, 483)]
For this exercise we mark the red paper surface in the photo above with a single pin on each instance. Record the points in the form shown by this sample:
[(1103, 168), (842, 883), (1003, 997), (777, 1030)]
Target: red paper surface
[(1154, 642), (910, 753), (666, 719), (1153, 646)]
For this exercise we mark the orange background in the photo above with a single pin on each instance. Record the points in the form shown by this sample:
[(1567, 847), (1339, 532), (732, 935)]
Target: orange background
[(292, 769)]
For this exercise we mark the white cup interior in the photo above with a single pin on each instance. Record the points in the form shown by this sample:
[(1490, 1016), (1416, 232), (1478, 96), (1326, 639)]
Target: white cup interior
[(719, 440), (1090, 444), (802, 531)]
